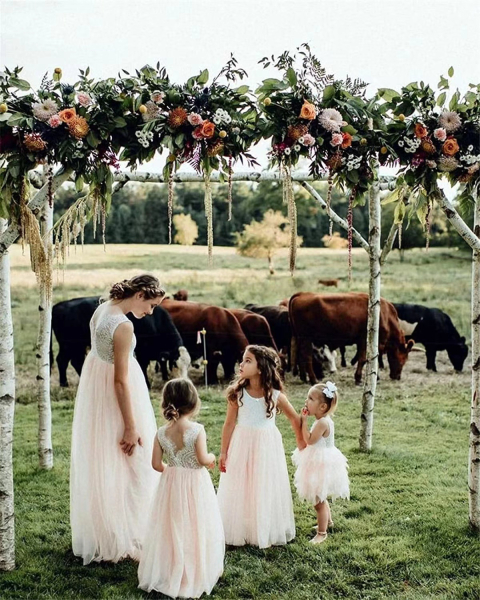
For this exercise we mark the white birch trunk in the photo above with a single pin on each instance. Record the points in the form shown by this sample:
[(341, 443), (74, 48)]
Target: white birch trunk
[(373, 323), (474, 454), (42, 351), (7, 406)]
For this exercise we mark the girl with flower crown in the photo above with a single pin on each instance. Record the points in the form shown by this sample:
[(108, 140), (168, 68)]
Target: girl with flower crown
[(321, 468), (254, 492), (111, 480)]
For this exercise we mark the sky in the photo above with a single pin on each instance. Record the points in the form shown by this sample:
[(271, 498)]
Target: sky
[(387, 43)]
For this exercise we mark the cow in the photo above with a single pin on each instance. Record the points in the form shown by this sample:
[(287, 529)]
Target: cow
[(341, 320), (255, 327), (225, 340), (328, 282), (181, 295), (279, 321), (434, 329), (156, 335)]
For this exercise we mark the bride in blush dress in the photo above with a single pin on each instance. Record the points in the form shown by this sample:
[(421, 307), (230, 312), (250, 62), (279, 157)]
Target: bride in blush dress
[(111, 478)]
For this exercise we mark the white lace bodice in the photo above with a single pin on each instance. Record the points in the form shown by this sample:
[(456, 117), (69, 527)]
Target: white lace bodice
[(252, 412), (102, 328), (329, 440), (186, 457)]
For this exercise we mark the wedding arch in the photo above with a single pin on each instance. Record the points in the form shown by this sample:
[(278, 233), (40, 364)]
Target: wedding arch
[(84, 131)]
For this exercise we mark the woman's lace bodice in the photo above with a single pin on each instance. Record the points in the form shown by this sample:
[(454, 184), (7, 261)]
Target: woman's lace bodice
[(102, 328), (329, 440), (252, 412), (186, 457)]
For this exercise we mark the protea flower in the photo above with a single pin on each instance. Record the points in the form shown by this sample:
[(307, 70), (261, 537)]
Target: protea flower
[(177, 117)]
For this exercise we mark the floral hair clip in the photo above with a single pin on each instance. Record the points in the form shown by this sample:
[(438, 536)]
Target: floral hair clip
[(329, 389)]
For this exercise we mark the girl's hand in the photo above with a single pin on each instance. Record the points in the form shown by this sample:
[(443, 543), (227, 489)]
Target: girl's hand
[(212, 464), (304, 412), (129, 440), (222, 463)]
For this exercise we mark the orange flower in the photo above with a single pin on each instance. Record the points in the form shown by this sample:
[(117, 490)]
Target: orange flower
[(177, 117), (450, 147), (308, 111), (420, 130), (347, 140), (216, 148), (67, 115), (208, 129), (34, 142), (427, 146), (78, 127)]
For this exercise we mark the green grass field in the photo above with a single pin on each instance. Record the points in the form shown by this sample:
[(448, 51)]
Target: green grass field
[(404, 533)]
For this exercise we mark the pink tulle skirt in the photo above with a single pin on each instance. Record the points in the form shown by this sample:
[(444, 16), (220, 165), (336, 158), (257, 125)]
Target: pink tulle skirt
[(321, 473), (254, 494), (184, 549), (110, 492)]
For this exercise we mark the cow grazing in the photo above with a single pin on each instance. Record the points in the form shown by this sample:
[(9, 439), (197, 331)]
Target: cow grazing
[(225, 340), (434, 329), (328, 282), (181, 295), (341, 320), (279, 322), (156, 335), (255, 327)]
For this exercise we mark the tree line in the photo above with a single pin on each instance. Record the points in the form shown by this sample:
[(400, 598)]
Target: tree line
[(139, 214)]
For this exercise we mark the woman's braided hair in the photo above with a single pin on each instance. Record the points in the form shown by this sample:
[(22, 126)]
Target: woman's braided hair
[(268, 363), (147, 284)]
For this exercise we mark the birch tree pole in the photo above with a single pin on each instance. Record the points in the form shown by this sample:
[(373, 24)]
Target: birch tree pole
[(373, 321), (42, 350), (474, 453), (7, 406)]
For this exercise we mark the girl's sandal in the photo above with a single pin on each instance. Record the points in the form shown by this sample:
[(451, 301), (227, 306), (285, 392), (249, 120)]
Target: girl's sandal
[(319, 538)]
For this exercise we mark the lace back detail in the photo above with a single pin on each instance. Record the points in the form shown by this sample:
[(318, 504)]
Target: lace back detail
[(102, 330), (186, 457)]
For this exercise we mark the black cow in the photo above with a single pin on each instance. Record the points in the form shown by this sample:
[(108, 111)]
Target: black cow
[(434, 329), (279, 321), (157, 337)]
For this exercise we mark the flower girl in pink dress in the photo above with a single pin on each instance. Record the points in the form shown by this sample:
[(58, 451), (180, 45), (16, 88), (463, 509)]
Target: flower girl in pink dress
[(184, 548), (254, 492), (113, 426), (321, 467)]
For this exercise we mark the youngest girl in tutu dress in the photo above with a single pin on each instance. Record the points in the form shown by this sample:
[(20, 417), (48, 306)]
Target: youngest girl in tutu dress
[(184, 547), (321, 467)]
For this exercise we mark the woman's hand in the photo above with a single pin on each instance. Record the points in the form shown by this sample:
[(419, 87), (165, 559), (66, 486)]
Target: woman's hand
[(129, 440), (222, 463)]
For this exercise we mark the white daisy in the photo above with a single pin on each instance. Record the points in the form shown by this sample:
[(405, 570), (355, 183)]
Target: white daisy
[(45, 109), (450, 121)]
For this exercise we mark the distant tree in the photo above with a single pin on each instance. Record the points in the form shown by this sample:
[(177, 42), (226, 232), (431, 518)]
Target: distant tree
[(335, 241), (187, 230), (263, 239)]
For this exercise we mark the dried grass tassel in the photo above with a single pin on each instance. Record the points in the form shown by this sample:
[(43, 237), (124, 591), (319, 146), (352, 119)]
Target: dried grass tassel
[(329, 202), (350, 231), (428, 225), (230, 186), (289, 200), (170, 203), (209, 215)]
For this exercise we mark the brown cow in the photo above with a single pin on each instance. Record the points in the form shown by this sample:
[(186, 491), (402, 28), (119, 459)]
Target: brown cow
[(341, 320), (255, 327), (224, 334), (328, 282), (181, 295)]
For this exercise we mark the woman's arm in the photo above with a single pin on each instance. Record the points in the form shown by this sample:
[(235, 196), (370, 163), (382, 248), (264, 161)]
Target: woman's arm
[(205, 458), (228, 427), (122, 339), (317, 432), (295, 419), (157, 456)]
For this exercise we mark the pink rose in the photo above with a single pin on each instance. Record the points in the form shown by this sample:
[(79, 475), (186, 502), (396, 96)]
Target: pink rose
[(54, 121), (337, 139), (308, 140), (440, 134), (194, 119), (197, 133), (84, 99)]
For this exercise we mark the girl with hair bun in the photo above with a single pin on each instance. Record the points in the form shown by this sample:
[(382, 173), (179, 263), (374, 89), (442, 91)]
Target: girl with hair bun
[(185, 546), (111, 481)]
